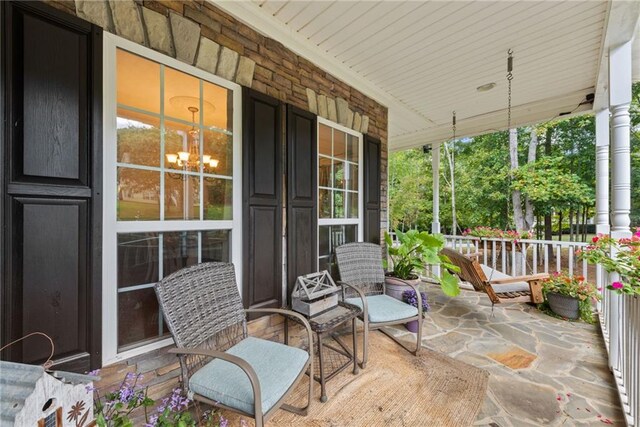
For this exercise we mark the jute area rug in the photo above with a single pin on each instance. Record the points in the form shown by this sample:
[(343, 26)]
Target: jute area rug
[(395, 389)]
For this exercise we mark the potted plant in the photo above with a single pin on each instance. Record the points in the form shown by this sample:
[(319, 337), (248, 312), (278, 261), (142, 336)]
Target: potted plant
[(570, 296), (409, 296), (412, 252), (617, 256)]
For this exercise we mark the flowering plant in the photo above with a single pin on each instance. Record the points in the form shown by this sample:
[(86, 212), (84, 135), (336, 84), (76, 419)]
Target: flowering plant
[(495, 233), (116, 409), (576, 287), (410, 297), (620, 256)]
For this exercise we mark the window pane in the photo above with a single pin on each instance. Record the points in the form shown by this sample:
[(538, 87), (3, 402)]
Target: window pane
[(138, 82), (218, 200), (352, 205), (324, 144), (137, 259), (339, 144), (218, 106), (138, 138), (179, 137), (324, 203), (216, 246), (338, 174), (138, 317), (324, 172), (338, 204), (181, 94), (181, 196), (179, 250), (352, 148), (352, 177), (324, 247), (138, 195), (219, 147), (350, 233)]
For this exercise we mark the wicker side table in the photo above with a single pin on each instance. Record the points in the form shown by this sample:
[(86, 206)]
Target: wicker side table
[(340, 357)]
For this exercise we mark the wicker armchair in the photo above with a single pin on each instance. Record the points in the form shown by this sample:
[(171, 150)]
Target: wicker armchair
[(221, 365), (362, 281)]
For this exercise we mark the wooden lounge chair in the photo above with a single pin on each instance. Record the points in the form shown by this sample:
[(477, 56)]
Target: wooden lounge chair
[(221, 365), (498, 286), (362, 281)]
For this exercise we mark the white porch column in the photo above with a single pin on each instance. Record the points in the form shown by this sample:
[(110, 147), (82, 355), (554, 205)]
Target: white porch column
[(619, 101), (602, 171), (602, 186), (435, 170)]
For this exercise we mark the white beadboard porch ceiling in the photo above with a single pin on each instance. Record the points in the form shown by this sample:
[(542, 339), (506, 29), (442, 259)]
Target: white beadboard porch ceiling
[(425, 59)]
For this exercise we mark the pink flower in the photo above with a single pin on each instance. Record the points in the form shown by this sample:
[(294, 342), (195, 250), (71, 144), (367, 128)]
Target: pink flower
[(617, 285)]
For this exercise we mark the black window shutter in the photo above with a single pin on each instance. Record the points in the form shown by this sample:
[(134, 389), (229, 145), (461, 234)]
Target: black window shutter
[(262, 200), (302, 194), (371, 189), (52, 185)]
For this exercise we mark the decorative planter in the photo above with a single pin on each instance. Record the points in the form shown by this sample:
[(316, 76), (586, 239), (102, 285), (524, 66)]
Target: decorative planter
[(394, 287), (412, 326), (564, 305)]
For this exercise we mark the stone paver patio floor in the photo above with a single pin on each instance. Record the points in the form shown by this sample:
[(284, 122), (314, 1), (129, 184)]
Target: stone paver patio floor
[(543, 370)]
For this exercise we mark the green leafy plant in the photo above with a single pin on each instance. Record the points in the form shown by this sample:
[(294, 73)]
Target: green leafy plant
[(575, 287), (617, 256), (414, 250)]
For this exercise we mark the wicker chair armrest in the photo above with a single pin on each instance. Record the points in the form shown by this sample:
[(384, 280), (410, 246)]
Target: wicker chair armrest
[(418, 296), (363, 297), (241, 363), (528, 278), (290, 313)]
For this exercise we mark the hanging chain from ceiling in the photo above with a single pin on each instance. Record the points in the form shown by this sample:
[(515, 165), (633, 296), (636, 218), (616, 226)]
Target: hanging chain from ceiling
[(509, 78)]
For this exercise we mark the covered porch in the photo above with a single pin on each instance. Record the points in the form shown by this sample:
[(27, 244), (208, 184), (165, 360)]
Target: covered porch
[(292, 162)]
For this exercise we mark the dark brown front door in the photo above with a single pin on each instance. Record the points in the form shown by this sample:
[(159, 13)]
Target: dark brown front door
[(52, 83)]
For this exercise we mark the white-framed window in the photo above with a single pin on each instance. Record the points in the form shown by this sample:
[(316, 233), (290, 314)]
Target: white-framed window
[(340, 189), (172, 185)]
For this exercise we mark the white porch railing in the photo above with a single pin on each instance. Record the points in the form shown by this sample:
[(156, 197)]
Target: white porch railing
[(619, 315), (526, 256)]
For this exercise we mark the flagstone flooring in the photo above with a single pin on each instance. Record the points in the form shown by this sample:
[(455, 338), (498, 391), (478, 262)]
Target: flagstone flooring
[(543, 370)]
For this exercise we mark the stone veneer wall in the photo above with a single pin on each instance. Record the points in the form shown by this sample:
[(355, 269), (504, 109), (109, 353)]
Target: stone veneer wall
[(198, 33)]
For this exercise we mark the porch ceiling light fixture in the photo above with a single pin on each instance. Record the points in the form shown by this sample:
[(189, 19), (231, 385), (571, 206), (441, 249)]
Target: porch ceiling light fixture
[(190, 160), (486, 87)]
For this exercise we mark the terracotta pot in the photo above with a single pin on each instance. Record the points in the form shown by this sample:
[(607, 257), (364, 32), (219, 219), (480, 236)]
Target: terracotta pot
[(395, 287)]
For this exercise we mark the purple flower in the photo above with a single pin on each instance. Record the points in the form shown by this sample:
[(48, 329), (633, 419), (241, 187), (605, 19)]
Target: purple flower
[(94, 373), (617, 285), (223, 421), (152, 421), (410, 297)]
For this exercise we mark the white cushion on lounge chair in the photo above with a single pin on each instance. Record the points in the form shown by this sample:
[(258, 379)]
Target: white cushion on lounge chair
[(507, 287)]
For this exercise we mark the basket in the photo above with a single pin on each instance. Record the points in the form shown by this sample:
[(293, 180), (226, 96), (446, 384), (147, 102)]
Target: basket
[(564, 305)]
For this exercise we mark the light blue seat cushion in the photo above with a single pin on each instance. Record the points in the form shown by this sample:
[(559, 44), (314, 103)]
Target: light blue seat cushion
[(383, 308), (276, 365), (507, 287)]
